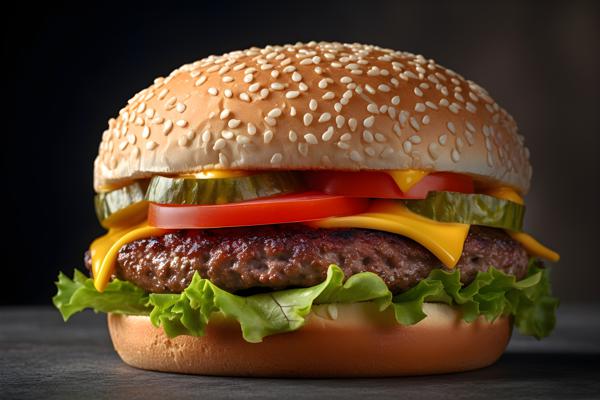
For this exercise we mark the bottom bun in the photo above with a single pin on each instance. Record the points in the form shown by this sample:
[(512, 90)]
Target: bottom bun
[(349, 340)]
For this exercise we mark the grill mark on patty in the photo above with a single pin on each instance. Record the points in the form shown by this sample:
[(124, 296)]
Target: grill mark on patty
[(295, 255)]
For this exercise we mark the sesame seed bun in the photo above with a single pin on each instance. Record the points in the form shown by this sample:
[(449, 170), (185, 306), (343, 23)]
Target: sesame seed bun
[(353, 341), (313, 106)]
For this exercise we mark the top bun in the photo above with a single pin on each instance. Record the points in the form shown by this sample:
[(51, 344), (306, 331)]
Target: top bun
[(313, 106)]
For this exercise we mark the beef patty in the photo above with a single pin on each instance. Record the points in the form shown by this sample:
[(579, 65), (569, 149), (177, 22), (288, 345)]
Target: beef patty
[(281, 256)]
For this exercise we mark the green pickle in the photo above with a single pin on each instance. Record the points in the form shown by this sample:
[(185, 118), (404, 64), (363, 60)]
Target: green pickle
[(183, 190), (127, 202), (474, 209)]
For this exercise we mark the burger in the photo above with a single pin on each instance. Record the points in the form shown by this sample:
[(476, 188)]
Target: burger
[(315, 209)]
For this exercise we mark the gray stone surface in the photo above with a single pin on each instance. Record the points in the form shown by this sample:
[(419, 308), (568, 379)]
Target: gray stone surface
[(43, 358)]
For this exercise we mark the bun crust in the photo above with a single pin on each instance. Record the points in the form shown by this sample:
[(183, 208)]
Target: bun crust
[(313, 106), (349, 346)]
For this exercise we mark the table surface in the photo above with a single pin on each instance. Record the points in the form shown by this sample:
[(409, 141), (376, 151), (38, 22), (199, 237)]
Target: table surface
[(42, 357)]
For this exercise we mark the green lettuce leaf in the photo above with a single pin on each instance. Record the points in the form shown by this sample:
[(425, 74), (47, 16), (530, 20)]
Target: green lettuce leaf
[(492, 294)]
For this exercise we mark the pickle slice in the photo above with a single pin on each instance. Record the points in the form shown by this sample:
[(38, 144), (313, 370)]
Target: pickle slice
[(126, 204), (168, 190), (475, 209)]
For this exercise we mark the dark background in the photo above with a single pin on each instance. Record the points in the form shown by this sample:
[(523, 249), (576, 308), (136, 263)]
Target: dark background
[(67, 70)]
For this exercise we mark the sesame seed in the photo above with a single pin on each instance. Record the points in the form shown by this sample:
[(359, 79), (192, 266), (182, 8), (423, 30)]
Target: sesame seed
[(292, 94), (151, 145), (369, 89), (328, 134), (311, 138), (471, 107), (163, 93), (443, 102), (198, 82), (425, 120), (312, 105), (372, 108), (268, 136), (339, 121), (383, 88), (224, 114), (270, 121), (396, 100), (323, 84), (454, 108), (274, 74), (353, 124), (181, 123), (289, 68), (420, 107), (414, 123), (206, 136), (123, 145), (227, 135), (227, 79), (407, 146), (292, 136), (303, 149), (277, 86), (248, 78), (303, 87), (167, 126), (264, 93), (355, 156), (180, 107), (241, 139), (346, 137), (418, 92), (367, 136), (244, 96), (251, 129), (454, 155), (146, 132), (293, 111), (296, 77), (213, 91), (223, 159), (443, 139), (380, 137), (325, 117), (415, 139), (345, 79), (234, 123), (328, 96), (277, 158), (451, 127), (433, 150), (254, 87), (368, 122), (337, 107), (307, 119), (274, 113)]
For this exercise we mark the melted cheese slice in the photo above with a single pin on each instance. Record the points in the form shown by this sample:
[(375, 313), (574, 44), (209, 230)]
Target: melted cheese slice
[(444, 240), (408, 178), (104, 249), (505, 193), (533, 247)]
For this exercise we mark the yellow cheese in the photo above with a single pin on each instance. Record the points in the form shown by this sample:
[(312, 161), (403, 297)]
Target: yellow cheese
[(408, 178), (533, 247), (104, 249), (215, 174), (505, 193), (444, 240)]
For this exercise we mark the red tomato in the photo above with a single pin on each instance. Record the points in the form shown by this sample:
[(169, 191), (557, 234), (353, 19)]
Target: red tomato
[(276, 210), (380, 185)]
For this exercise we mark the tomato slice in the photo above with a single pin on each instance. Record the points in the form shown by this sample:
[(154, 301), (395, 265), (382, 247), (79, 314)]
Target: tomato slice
[(275, 210), (380, 185)]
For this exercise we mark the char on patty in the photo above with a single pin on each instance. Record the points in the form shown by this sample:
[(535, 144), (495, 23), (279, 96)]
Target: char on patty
[(295, 255)]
